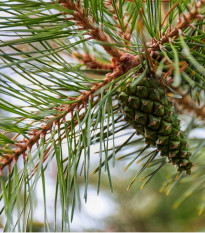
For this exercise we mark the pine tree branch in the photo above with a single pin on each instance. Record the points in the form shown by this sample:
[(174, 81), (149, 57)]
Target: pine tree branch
[(86, 24), (169, 11), (121, 61), (181, 24), (124, 33), (26, 145), (80, 119), (156, 45), (91, 62)]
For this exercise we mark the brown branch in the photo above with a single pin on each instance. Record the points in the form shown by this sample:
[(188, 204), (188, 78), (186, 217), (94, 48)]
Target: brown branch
[(182, 24), (92, 63), (155, 45), (86, 24), (169, 11), (124, 33), (37, 134)]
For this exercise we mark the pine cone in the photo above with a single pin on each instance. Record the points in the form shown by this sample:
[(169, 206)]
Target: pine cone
[(147, 109)]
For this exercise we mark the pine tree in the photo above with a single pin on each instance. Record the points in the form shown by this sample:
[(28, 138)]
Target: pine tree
[(77, 73)]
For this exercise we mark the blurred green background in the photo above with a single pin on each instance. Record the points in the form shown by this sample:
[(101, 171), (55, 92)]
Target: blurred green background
[(149, 209)]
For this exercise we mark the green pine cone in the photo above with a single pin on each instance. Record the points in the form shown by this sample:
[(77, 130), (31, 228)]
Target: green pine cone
[(147, 109)]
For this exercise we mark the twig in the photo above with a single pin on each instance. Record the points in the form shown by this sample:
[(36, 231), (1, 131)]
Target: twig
[(92, 63), (86, 24), (37, 134), (124, 33), (169, 11), (193, 14)]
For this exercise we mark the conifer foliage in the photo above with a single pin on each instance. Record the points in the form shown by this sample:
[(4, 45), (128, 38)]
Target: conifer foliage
[(75, 73)]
